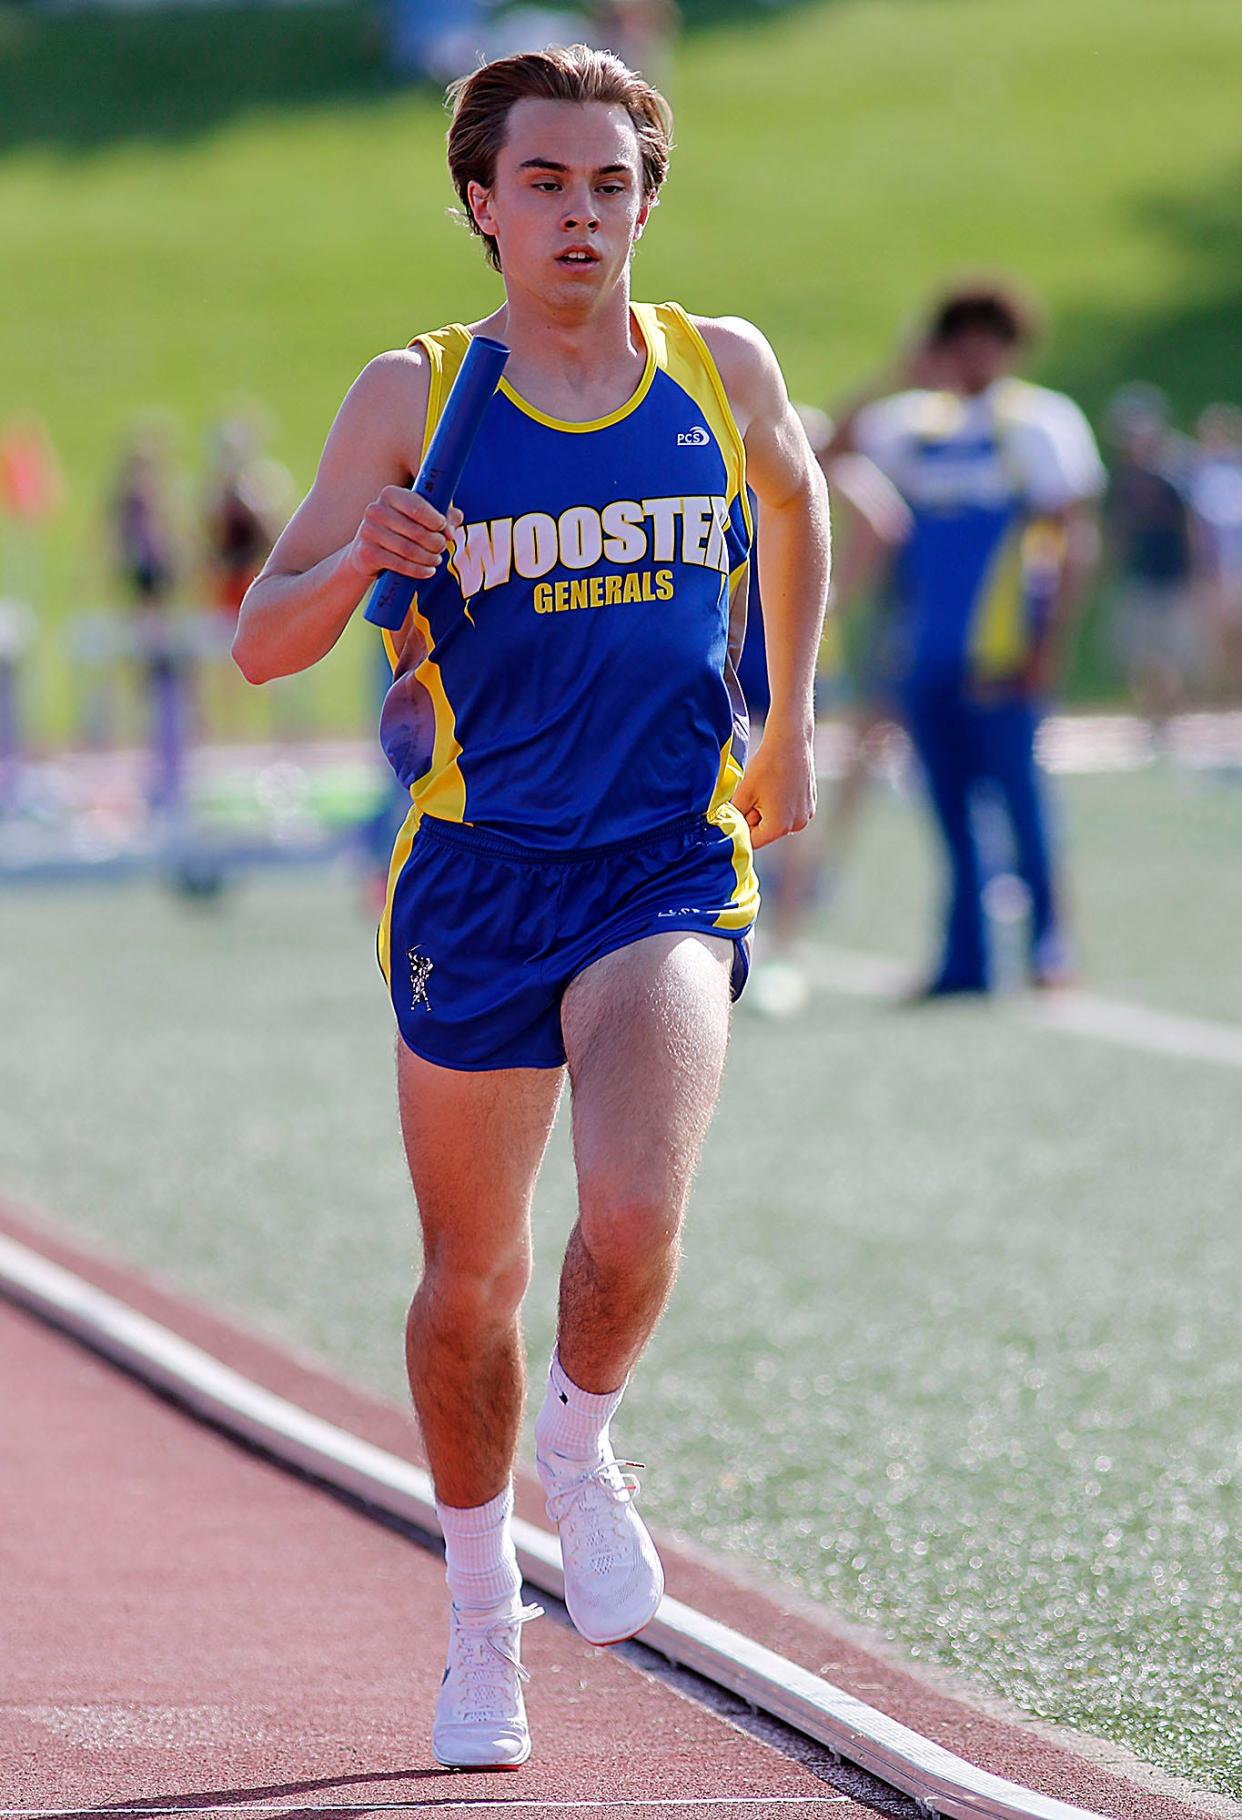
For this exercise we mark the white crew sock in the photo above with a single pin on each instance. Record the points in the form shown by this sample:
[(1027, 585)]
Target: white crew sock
[(572, 1426), (480, 1562)]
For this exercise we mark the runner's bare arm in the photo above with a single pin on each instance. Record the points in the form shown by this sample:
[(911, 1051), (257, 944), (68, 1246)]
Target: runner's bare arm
[(358, 518), (777, 793)]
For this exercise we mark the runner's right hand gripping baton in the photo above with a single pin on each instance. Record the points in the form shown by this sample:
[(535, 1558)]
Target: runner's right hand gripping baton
[(437, 478)]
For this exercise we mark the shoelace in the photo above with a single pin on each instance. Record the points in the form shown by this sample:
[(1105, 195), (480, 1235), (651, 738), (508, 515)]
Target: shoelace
[(478, 1651), (570, 1504)]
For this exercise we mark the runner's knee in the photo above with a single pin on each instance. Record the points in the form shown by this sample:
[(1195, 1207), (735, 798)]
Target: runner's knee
[(471, 1293), (623, 1222)]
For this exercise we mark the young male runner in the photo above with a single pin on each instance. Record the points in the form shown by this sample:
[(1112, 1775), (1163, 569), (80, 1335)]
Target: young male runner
[(574, 882)]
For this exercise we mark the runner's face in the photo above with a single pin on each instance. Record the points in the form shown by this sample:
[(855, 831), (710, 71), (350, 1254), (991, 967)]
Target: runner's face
[(567, 205)]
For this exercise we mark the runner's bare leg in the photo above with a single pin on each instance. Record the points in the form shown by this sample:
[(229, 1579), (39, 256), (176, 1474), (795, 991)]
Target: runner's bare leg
[(474, 1143), (645, 1031)]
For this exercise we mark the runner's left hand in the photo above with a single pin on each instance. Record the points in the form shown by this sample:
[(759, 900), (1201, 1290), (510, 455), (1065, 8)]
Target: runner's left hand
[(776, 792)]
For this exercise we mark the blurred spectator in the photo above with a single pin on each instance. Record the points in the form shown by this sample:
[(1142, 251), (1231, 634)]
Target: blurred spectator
[(869, 523), (439, 40), (1147, 521), (435, 40), (146, 538), (150, 547), (1216, 506), (999, 477), (249, 497)]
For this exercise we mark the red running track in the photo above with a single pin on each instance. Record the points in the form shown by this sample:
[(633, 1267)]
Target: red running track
[(190, 1626), (186, 1626)]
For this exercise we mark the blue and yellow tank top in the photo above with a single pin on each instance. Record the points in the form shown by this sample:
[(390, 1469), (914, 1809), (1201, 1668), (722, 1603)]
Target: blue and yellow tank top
[(568, 678)]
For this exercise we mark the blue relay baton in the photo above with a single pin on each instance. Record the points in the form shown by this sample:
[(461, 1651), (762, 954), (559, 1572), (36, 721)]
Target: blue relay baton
[(437, 478)]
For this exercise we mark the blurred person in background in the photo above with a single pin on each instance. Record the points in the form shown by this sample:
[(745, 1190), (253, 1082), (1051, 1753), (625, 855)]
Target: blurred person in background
[(150, 546), (434, 40), (1216, 508), (249, 496), (246, 501), (1000, 478), (1156, 626), (870, 522), (439, 40), (147, 538)]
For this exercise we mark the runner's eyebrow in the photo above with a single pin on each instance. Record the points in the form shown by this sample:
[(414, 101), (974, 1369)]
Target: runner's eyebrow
[(552, 164)]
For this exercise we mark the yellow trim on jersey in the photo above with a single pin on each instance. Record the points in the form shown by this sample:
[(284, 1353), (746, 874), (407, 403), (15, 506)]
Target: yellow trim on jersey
[(728, 778), (687, 359), (596, 423), (400, 853), (442, 788), (433, 348), (741, 913)]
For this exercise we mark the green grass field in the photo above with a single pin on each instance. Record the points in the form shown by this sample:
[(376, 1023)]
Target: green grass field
[(207, 203), (955, 1345)]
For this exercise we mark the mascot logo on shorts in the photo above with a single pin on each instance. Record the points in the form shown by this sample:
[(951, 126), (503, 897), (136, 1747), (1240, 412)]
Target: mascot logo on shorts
[(420, 973)]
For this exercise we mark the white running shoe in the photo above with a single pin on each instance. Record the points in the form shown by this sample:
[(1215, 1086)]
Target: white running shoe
[(480, 1720), (613, 1578)]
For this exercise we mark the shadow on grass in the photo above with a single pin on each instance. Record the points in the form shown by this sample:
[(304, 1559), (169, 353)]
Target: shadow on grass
[(1192, 346), (84, 80)]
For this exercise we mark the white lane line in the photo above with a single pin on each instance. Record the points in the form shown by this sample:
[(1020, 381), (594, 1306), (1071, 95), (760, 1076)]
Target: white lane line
[(945, 1784), (1135, 1027), (857, 975), (1109, 1020)]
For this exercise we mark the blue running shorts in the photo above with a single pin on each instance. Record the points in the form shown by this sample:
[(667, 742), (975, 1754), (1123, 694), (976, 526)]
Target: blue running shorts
[(486, 934)]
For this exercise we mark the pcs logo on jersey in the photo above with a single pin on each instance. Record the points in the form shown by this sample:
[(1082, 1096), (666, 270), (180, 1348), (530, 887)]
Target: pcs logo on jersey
[(697, 438)]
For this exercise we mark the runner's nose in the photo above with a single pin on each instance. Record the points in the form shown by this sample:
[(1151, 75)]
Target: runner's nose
[(580, 212)]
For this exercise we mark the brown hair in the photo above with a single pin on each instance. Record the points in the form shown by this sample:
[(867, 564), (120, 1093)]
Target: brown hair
[(481, 103), (998, 307)]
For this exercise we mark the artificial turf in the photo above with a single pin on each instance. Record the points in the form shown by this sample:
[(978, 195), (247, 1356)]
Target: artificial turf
[(954, 1347)]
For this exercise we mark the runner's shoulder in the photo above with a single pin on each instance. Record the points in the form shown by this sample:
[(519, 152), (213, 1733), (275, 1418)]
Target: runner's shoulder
[(387, 404), (736, 345), (397, 380), (748, 368)]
